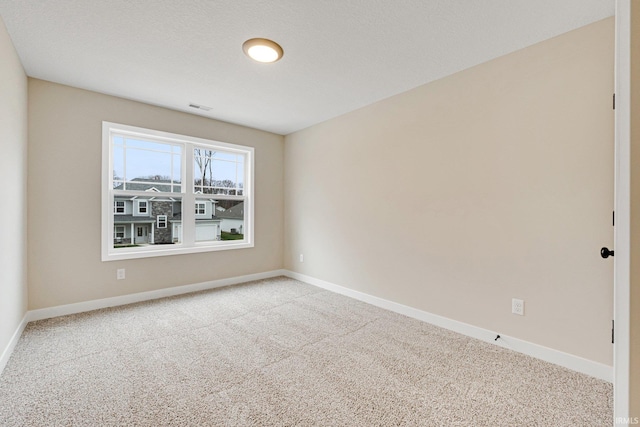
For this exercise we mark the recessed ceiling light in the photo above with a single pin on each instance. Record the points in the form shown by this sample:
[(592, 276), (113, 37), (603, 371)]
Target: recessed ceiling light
[(262, 50)]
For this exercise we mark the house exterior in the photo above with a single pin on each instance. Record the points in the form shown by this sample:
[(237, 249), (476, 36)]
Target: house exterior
[(157, 219), (207, 224), (233, 219)]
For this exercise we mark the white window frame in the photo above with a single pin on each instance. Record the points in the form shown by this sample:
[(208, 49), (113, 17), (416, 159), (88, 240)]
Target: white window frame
[(187, 195), (201, 206), (161, 221), (115, 231), (115, 207), (146, 206)]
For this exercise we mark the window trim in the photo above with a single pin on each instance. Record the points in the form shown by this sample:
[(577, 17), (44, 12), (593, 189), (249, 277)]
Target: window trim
[(146, 207), (115, 207), (161, 221), (204, 207), (188, 196), (115, 231)]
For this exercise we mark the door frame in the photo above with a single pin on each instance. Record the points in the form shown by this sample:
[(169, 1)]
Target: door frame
[(622, 229)]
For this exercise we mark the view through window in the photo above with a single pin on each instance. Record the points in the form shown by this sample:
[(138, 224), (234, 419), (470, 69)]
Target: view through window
[(150, 177)]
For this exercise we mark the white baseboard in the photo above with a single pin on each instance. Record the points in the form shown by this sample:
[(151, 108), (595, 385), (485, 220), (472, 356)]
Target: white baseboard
[(575, 363), (81, 307), (6, 354)]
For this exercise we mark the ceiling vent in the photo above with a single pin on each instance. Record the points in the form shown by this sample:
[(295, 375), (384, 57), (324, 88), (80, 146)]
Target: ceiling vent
[(200, 107)]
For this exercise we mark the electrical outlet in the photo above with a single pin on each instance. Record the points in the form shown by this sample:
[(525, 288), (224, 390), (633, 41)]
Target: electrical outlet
[(120, 274), (301, 258), (517, 306)]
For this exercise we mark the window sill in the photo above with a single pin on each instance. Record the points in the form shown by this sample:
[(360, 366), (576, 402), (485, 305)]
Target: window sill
[(149, 252)]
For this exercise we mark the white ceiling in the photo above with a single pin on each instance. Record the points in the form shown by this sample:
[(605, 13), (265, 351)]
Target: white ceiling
[(340, 55)]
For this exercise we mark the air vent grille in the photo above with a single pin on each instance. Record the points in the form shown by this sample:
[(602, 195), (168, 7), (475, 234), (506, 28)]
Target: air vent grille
[(200, 107)]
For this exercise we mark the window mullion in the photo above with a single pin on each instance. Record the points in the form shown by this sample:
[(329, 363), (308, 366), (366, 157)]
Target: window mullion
[(189, 199)]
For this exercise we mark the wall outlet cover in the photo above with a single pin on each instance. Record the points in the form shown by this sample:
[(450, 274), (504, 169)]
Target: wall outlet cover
[(517, 306)]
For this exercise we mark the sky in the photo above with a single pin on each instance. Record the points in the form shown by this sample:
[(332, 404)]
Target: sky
[(139, 158)]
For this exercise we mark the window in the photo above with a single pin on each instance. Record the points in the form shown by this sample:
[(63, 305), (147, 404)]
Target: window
[(142, 207), (118, 232), (163, 172), (200, 208), (118, 207)]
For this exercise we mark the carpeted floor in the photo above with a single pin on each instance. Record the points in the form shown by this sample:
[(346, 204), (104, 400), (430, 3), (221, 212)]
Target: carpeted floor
[(279, 352)]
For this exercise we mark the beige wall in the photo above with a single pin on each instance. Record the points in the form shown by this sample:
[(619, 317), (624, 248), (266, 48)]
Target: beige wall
[(13, 175), (65, 137), (455, 197), (635, 212)]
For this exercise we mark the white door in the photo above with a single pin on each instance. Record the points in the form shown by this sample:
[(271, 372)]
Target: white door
[(142, 234)]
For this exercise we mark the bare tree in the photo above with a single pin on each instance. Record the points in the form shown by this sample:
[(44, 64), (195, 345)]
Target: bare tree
[(228, 186), (203, 160), (155, 178)]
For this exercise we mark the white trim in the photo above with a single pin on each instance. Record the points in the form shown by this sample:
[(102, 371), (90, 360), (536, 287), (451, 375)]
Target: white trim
[(106, 221), (622, 232), (146, 207), (81, 307), (6, 354), (177, 249), (186, 196), (161, 219), (115, 231), (199, 204), (115, 207), (575, 363)]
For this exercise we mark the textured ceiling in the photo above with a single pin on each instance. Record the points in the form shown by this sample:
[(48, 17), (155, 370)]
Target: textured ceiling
[(340, 55)]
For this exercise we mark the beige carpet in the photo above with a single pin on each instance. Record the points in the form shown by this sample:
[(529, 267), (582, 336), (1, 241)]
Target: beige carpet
[(279, 352)]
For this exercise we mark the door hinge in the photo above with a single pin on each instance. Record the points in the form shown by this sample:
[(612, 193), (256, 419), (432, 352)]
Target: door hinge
[(614, 101), (613, 334)]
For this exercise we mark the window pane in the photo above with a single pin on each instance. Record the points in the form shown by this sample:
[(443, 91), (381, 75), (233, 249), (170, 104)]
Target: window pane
[(146, 166), (218, 172)]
